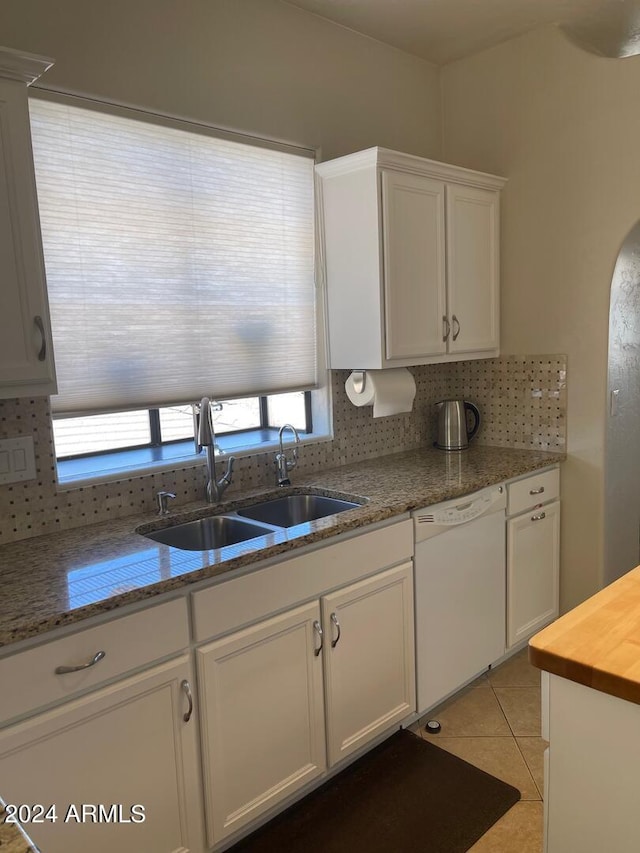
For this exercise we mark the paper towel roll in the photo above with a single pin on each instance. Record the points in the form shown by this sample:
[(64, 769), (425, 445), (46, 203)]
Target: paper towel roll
[(390, 391)]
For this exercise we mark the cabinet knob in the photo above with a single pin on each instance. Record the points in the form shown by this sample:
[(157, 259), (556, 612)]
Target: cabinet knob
[(42, 353)]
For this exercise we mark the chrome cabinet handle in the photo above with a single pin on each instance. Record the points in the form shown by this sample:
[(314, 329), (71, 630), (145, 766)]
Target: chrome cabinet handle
[(446, 327), (186, 687), (334, 619), (539, 516), (457, 322), (536, 491), (318, 629), (42, 354), (62, 670)]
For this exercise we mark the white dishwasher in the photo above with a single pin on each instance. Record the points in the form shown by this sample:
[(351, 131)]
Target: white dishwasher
[(459, 591)]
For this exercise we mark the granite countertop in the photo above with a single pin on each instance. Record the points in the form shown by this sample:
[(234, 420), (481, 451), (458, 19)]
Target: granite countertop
[(596, 643), (12, 836), (63, 578)]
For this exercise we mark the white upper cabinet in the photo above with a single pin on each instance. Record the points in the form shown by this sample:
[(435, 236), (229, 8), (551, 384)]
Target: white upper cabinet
[(411, 260), (26, 356), (473, 287), (414, 252)]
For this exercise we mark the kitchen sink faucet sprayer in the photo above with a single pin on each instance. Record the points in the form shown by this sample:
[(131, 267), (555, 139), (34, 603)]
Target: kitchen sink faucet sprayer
[(206, 439), (283, 463)]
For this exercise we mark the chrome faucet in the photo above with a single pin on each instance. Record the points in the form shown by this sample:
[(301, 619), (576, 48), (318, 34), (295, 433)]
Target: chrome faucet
[(206, 440), (283, 463)]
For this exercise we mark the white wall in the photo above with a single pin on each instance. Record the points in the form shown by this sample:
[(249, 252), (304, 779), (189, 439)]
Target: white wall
[(564, 126), (258, 66)]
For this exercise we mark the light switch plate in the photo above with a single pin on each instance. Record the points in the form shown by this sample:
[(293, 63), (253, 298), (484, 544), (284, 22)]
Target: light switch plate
[(17, 460)]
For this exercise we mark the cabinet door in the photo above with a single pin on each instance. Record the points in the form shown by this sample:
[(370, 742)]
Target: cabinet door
[(533, 570), (262, 717), (473, 269), (413, 246), (369, 659), (124, 745), (26, 358)]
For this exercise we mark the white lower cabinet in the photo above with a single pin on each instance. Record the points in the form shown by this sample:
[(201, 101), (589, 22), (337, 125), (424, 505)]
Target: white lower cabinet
[(591, 789), (104, 719), (369, 659), (262, 717), (533, 554), (301, 664), (533, 570), (98, 756), (264, 694)]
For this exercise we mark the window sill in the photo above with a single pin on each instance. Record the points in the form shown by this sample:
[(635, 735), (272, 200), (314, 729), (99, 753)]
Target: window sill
[(126, 464)]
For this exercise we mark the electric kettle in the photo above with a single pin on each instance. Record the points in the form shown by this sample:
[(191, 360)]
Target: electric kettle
[(453, 426)]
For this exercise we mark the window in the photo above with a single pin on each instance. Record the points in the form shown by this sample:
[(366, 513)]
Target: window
[(99, 444), (180, 263)]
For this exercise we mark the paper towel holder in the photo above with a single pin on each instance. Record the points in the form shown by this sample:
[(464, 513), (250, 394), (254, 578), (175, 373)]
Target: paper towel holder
[(359, 380)]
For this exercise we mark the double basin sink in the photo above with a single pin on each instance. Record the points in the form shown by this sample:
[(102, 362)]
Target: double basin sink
[(259, 519)]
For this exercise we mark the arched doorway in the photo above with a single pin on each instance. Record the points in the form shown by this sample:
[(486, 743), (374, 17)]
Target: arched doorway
[(622, 435)]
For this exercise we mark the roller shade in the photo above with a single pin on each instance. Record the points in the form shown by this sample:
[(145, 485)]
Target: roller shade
[(178, 263)]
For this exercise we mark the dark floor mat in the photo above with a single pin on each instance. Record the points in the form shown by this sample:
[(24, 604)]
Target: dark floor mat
[(406, 795)]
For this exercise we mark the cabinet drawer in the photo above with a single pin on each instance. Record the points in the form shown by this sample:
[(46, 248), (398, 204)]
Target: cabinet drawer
[(29, 679), (534, 490)]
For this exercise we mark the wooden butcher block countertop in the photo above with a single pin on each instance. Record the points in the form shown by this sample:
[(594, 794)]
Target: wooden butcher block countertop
[(598, 642)]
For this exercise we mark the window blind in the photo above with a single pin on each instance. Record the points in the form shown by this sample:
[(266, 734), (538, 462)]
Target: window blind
[(178, 263)]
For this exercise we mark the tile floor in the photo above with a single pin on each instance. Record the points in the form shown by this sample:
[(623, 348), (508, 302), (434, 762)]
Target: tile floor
[(495, 725)]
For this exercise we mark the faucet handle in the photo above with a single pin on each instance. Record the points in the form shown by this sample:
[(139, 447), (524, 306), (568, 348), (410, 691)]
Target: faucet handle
[(226, 477), (163, 498)]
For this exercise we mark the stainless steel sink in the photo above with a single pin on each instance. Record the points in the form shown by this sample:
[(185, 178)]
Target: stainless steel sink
[(214, 531), (295, 509), (250, 522)]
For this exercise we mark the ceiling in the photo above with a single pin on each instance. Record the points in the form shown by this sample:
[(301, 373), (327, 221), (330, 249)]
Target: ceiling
[(442, 31)]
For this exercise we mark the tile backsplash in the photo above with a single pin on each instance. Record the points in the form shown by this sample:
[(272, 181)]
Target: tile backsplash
[(522, 400)]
